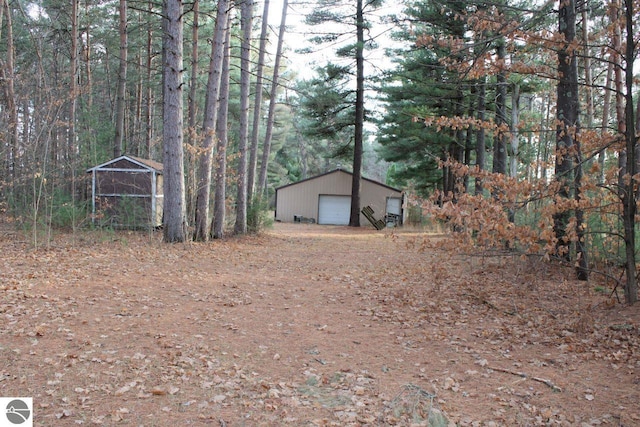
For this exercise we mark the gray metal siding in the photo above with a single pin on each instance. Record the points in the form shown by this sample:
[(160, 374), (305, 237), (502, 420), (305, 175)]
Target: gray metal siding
[(302, 198)]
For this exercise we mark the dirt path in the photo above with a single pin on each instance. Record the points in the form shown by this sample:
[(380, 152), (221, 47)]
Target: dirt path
[(307, 325)]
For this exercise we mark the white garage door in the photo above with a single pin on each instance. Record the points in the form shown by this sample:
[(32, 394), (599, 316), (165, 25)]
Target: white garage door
[(334, 210)]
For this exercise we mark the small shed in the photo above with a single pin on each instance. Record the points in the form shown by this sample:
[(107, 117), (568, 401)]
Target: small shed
[(326, 199), (127, 192)]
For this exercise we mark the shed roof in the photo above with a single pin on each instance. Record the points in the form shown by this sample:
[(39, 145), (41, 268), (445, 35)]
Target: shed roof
[(336, 171), (144, 163)]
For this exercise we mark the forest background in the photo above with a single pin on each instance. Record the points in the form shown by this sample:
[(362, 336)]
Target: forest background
[(513, 122)]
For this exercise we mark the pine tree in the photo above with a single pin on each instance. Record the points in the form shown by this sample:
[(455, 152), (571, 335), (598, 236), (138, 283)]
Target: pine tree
[(175, 222), (209, 122), (246, 19), (342, 13)]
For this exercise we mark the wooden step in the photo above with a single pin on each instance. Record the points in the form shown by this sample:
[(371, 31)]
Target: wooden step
[(379, 224)]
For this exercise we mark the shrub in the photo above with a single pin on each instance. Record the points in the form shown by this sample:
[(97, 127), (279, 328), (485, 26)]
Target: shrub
[(258, 215)]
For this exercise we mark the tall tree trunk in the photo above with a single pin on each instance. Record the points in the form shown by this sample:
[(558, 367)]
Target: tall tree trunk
[(175, 221), (582, 263), (567, 121), (122, 80), (530, 138), (57, 147), (515, 136), (499, 143), (629, 192), (626, 156), (192, 102), (7, 67), (514, 149), (195, 69), (246, 17), (547, 142), (72, 146), (354, 218), (257, 104), (604, 127), (637, 126), (148, 111), (480, 133), (3, 4), (455, 150), (209, 123), (616, 41), (219, 198), (266, 147), (468, 138), (87, 59), (588, 87), (582, 267), (139, 102)]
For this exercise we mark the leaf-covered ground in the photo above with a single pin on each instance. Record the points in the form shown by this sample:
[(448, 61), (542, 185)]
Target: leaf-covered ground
[(309, 326)]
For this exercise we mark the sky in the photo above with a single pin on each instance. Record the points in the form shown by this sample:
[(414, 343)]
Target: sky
[(298, 33), (295, 36)]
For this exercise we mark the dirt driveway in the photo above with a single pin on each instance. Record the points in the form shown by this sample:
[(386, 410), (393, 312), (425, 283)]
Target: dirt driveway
[(307, 325)]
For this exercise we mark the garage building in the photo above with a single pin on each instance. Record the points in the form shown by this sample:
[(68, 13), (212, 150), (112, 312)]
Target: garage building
[(326, 199)]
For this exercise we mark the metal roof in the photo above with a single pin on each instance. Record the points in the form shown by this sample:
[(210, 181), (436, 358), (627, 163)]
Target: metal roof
[(335, 171), (145, 163)]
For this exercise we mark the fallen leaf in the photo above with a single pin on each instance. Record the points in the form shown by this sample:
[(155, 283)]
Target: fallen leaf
[(158, 391)]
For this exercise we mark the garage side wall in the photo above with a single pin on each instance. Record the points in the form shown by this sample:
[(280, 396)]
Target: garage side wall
[(302, 198), (375, 195)]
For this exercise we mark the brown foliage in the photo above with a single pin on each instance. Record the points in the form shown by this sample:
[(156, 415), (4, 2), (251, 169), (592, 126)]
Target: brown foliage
[(307, 325)]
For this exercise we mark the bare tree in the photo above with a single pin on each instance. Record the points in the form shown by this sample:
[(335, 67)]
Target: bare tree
[(257, 104), (266, 147)]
